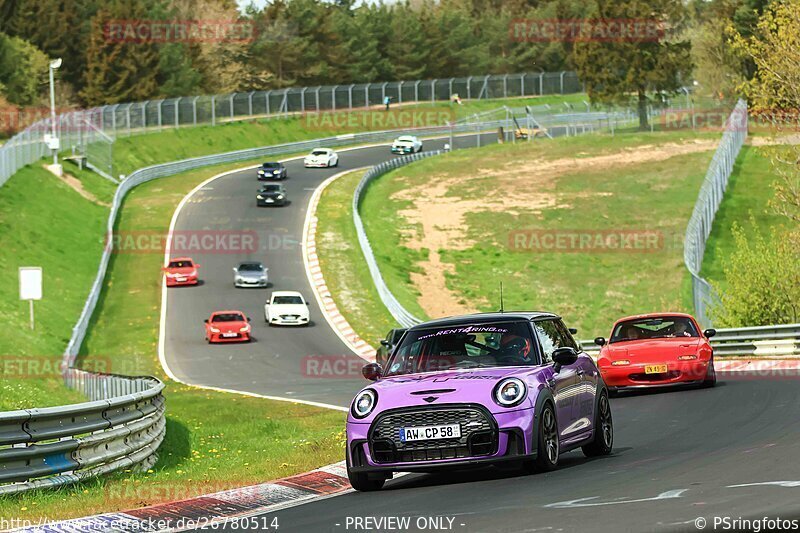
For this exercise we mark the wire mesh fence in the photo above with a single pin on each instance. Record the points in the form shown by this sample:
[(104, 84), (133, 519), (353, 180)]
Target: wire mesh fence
[(708, 202), (78, 130)]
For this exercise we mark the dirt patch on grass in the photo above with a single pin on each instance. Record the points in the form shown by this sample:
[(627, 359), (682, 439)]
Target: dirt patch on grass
[(440, 212), (77, 186)]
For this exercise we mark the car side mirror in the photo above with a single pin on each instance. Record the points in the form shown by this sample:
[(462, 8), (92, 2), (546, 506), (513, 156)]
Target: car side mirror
[(564, 356), (600, 341), (384, 342), (248, 319), (205, 321), (372, 371), (574, 331), (710, 332), (308, 303), (235, 269)]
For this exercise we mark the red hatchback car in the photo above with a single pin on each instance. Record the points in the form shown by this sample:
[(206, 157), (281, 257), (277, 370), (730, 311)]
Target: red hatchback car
[(227, 326), (181, 271), (656, 350)]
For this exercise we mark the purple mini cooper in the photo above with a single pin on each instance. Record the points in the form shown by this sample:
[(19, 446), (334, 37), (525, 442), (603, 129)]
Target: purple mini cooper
[(475, 390)]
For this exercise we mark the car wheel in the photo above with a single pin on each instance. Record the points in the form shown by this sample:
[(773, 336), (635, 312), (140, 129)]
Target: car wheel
[(711, 376), (363, 483), (603, 439), (548, 449)]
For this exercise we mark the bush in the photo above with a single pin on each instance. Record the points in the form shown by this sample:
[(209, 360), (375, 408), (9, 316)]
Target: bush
[(762, 281)]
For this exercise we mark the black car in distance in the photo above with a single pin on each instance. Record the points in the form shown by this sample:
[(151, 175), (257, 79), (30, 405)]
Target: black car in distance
[(272, 171)]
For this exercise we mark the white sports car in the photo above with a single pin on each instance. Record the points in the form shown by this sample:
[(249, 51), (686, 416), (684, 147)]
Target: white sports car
[(406, 144), (286, 308), (321, 157)]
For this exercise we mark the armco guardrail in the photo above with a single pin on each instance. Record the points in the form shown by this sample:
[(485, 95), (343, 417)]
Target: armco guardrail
[(763, 341), (708, 201), (121, 427)]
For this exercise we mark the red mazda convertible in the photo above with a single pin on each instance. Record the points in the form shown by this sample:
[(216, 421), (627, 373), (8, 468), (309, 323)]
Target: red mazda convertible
[(656, 350)]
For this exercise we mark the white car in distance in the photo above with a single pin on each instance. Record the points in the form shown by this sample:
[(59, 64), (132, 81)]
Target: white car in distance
[(406, 144), (321, 158), (286, 308)]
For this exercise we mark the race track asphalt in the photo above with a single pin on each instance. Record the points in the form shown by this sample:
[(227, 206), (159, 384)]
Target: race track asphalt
[(677, 452), (276, 362)]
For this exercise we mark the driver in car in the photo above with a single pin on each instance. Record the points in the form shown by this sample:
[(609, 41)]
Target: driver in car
[(514, 348)]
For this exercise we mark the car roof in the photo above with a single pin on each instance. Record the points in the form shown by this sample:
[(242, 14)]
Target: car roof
[(480, 318), (271, 163), (286, 293), (181, 259), (322, 150), (406, 138), (652, 315)]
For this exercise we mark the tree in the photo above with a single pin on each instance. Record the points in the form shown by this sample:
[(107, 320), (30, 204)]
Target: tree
[(23, 70), (774, 91), (613, 68), (119, 69), (762, 282)]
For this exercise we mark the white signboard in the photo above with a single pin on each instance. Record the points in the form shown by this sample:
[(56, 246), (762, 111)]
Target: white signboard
[(30, 283)]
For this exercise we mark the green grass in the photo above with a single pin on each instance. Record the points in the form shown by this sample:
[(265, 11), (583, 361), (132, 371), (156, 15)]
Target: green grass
[(589, 289), (748, 194), (214, 440), (340, 257), (137, 151), (45, 223)]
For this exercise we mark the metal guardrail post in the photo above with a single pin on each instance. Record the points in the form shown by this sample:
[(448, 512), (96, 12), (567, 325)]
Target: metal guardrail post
[(213, 110)]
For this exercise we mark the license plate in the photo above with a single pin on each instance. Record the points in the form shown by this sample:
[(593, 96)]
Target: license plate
[(655, 369), (449, 431), (180, 279), (270, 200), (230, 334)]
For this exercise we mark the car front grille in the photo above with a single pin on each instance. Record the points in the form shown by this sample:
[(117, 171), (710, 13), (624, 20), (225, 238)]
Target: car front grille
[(478, 434), (290, 317)]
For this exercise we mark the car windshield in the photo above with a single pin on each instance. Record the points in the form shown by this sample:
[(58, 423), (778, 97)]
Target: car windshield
[(319, 152), (228, 317), (271, 188), (463, 346), (654, 328), (180, 264), (250, 267), (287, 300), (271, 165)]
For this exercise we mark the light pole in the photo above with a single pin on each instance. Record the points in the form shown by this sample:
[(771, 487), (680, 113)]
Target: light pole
[(54, 64)]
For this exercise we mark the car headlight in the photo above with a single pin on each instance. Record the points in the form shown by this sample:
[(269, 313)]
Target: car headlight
[(214, 330), (244, 329), (260, 197), (276, 171), (279, 197), (193, 273), (239, 278), (364, 403), (621, 362), (510, 392)]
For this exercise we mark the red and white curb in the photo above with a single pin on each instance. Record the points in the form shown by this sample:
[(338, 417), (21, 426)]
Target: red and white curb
[(229, 506), (331, 312)]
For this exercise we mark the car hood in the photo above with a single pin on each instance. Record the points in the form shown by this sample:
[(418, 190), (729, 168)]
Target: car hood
[(452, 386), (225, 327), (270, 194), (289, 309), (251, 274), (404, 143), (185, 271), (317, 157), (647, 349)]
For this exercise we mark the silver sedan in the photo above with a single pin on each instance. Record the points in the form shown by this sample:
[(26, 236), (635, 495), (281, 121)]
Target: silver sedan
[(250, 274)]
